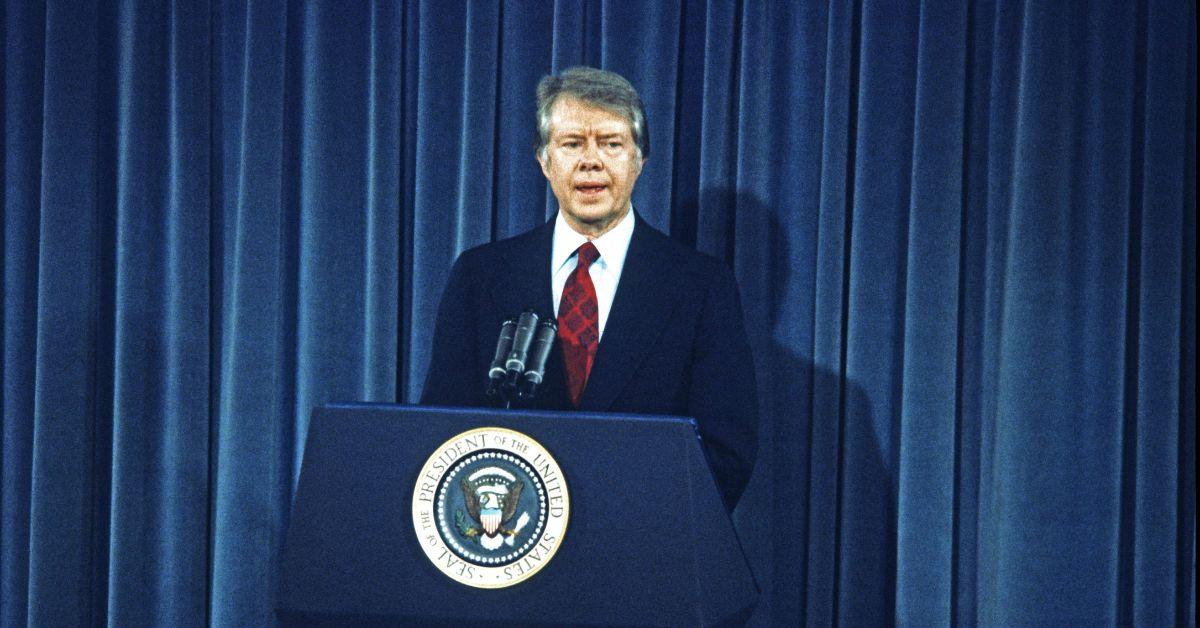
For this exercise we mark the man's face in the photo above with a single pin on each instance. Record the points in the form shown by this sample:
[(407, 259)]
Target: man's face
[(591, 163)]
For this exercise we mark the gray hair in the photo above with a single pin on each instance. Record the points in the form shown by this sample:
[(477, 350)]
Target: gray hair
[(600, 88)]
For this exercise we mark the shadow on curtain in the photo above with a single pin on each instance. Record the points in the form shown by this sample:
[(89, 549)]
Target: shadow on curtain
[(964, 234)]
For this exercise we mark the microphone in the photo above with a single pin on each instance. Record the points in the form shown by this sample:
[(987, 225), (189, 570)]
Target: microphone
[(503, 347), (543, 341), (515, 365)]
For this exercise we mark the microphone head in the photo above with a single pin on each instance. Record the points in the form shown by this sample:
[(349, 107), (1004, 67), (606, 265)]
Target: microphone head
[(526, 325), (538, 354), (503, 347)]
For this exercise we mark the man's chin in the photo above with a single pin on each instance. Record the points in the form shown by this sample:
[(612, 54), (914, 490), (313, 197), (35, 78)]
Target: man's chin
[(592, 215), (593, 221), (597, 205)]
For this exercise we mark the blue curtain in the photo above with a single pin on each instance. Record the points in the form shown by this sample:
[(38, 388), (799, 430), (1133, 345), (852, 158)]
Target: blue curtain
[(964, 234)]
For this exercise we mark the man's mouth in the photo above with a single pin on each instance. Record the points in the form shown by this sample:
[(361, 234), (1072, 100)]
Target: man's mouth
[(590, 189)]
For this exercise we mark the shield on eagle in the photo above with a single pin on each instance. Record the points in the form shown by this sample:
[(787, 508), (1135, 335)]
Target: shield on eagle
[(492, 495)]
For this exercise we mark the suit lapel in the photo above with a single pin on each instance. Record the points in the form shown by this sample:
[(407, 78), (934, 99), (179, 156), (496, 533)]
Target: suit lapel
[(642, 306), (524, 282)]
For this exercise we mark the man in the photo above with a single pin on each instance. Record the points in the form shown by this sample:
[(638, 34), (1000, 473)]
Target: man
[(646, 325)]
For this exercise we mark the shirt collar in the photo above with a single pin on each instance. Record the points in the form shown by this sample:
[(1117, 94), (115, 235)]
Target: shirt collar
[(613, 245)]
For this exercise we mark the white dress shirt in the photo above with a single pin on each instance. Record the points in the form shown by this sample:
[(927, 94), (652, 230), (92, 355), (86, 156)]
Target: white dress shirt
[(605, 272)]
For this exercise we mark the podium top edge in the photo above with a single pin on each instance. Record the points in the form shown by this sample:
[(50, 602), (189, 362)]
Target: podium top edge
[(605, 416)]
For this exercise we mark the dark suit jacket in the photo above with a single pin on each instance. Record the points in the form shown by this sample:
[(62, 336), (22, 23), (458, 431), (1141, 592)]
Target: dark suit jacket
[(674, 342)]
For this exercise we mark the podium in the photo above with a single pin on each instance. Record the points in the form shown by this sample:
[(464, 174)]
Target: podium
[(647, 540)]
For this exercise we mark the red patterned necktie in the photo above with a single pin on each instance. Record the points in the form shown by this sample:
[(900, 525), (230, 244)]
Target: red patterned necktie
[(579, 322)]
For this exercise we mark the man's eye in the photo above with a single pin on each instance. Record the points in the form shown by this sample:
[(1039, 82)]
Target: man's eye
[(615, 144), (571, 144)]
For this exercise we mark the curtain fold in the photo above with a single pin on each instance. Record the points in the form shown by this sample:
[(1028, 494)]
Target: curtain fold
[(72, 337), (926, 476), (24, 63), (158, 501), (252, 424), (964, 235)]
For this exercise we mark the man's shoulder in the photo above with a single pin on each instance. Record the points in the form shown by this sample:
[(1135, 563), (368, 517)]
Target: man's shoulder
[(488, 254)]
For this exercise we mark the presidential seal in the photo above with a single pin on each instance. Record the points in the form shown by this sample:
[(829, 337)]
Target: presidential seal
[(490, 507)]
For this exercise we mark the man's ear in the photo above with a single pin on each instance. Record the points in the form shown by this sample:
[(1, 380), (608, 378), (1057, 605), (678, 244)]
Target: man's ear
[(543, 160)]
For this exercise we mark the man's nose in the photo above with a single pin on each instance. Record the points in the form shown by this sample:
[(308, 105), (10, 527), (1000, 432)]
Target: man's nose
[(590, 158)]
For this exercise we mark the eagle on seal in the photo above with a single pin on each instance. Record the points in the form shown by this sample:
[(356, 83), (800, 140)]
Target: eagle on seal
[(491, 495)]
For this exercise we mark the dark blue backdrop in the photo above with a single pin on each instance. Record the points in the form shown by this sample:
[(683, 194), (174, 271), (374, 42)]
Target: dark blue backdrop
[(964, 232)]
